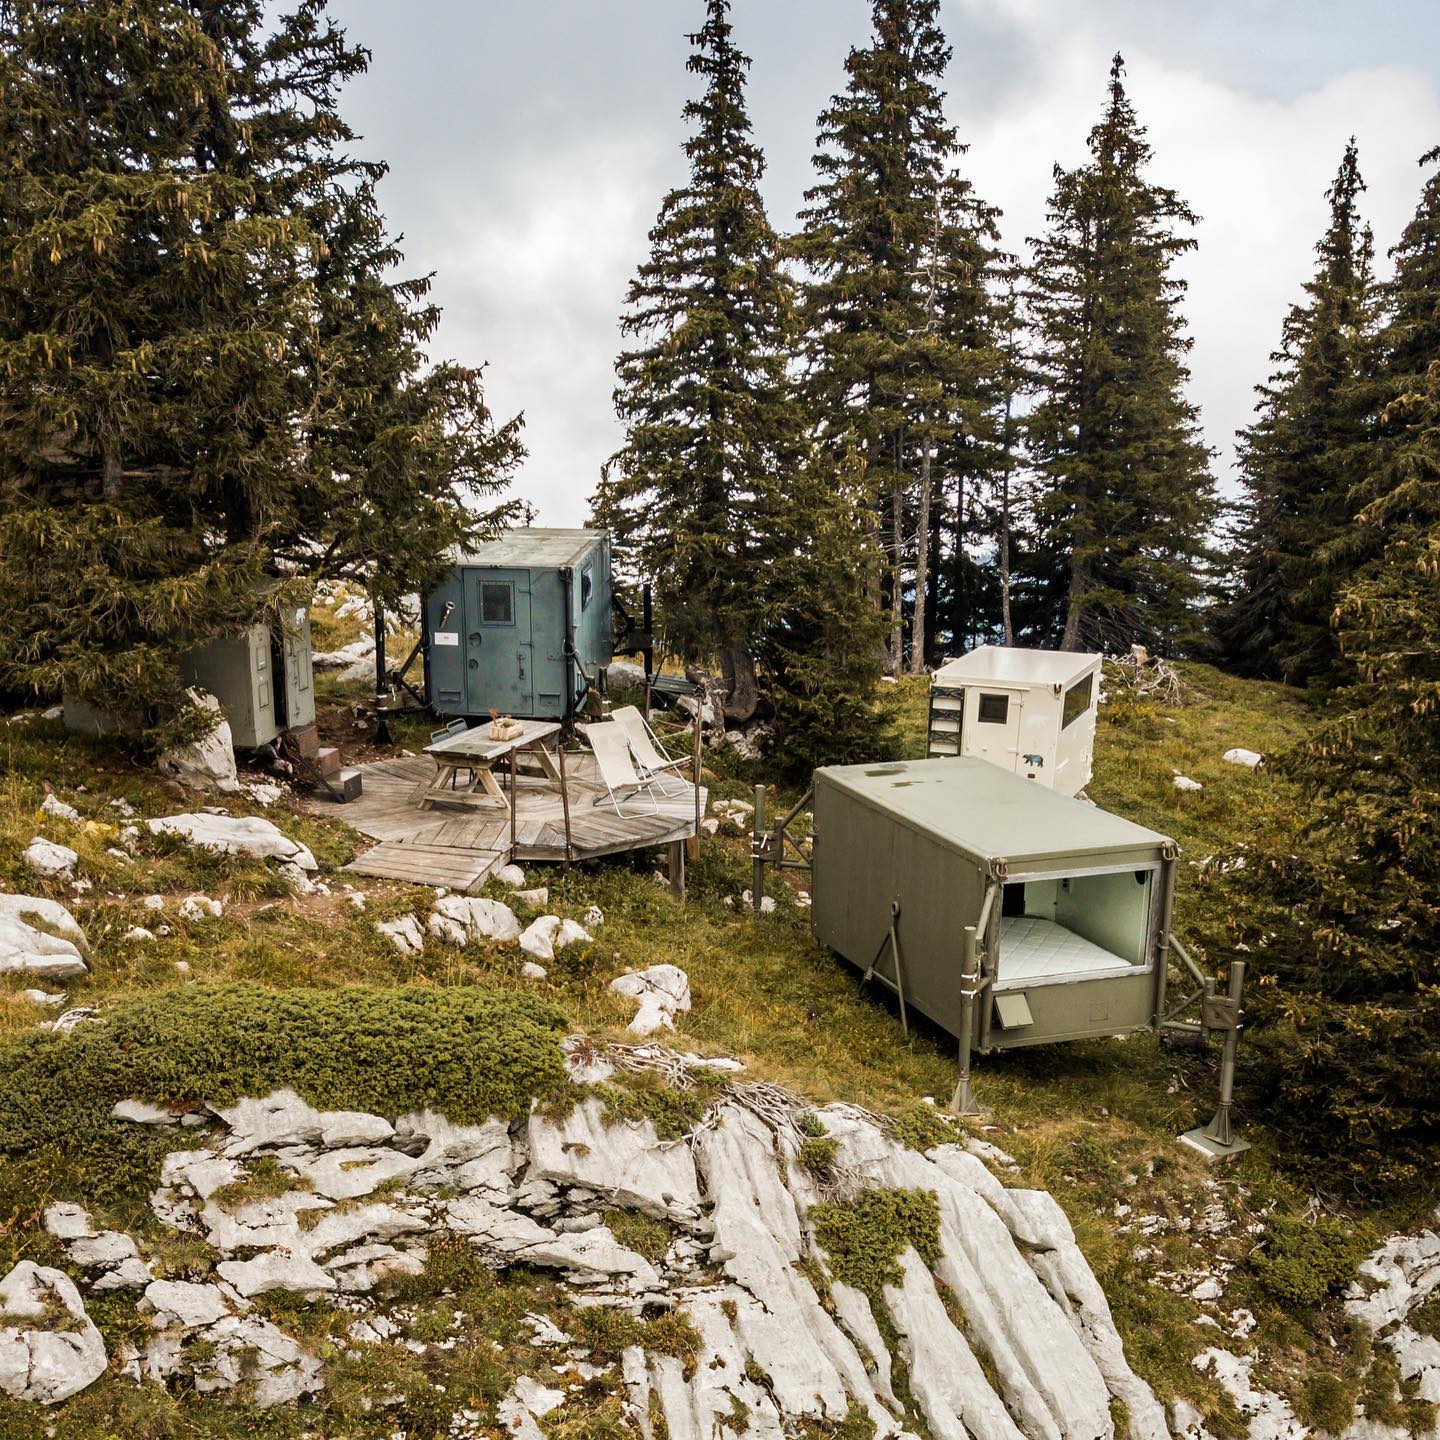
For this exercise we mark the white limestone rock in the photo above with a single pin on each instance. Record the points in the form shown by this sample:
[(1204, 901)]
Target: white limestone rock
[(466, 1157), (209, 763), (531, 971), (67, 1221), (53, 806), (347, 1174), (274, 1367), (593, 917), (45, 857), (511, 875), (141, 1112), (536, 899), (276, 1270), (1267, 1414), (663, 991), (1241, 756), (1184, 782), (282, 1118), (625, 1162), (404, 933), (195, 908), (235, 835), (43, 997), (472, 919), (138, 935), (543, 937), (39, 1362), (40, 937)]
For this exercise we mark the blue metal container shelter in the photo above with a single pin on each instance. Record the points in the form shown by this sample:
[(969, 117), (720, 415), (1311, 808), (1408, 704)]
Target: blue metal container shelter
[(522, 625)]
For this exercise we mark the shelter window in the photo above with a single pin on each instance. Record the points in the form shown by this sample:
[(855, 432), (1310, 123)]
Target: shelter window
[(994, 709), (1078, 699), (587, 585), (497, 603)]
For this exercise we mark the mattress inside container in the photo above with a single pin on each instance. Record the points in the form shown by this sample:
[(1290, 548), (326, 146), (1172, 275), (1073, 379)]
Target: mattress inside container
[(1034, 950)]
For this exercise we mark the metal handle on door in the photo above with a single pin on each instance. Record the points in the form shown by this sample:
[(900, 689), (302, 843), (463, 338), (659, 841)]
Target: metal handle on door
[(520, 655)]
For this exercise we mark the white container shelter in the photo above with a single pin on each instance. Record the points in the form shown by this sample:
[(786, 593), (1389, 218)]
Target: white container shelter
[(1031, 712)]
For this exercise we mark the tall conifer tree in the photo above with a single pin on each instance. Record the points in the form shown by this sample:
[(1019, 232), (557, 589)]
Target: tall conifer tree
[(1345, 921), (1301, 458), (696, 498), (1126, 495), (891, 238), (173, 265)]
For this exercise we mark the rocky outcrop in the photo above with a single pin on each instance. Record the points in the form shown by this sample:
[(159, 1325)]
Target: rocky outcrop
[(49, 1347), (40, 937), (235, 835), (207, 764), (661, 993), (1002, 1329), (47, 858)]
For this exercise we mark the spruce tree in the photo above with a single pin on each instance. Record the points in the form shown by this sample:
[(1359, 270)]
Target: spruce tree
[(173, 258), (1300, 460), (1126, 496), (1344, 924), (898, 253), (693, 497)]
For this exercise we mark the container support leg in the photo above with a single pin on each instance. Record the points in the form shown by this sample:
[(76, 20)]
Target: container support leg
[(892, 940), (1217, 1140), (963, 1100)]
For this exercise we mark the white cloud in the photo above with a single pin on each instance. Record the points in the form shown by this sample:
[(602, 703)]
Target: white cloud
[(1254, 168), (531, 146)]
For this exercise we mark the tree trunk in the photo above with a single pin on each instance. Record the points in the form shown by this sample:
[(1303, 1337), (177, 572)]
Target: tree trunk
[(922, 567), (742, 692), (1005, 621), (957, 586), (897, 588), (1079, 588)]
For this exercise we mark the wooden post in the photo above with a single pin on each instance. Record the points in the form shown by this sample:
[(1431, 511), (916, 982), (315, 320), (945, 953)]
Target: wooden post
[(757, 851), (677, 869), (564, 795), (694, 844), (514, 802)]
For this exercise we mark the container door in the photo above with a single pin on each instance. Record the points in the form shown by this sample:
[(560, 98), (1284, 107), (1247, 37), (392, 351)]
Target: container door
[(499, 659), (992, 725)]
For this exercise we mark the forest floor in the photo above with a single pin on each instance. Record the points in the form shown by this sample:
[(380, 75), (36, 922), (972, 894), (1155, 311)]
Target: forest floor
[(1173, 1241)]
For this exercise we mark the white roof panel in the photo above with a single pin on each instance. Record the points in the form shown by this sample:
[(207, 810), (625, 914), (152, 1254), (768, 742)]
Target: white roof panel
[(522, 548), (1002, 664)]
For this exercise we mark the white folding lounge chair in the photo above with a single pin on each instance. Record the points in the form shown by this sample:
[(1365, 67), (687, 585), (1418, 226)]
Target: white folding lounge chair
[(611, 748), (646, 750)]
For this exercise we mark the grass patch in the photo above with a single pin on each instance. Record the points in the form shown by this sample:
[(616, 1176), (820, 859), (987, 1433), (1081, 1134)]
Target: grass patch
[(469, 1053), (864, 1238)]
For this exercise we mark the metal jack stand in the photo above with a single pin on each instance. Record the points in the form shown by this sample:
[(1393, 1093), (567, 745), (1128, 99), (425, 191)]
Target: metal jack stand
[(963, 1101), (1217, 1140)]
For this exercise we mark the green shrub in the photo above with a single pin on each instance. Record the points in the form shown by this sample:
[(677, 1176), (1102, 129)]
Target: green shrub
[(923, 1127), (1302, 1263), (1325, 1402), (865, 1237), (467, 1052)]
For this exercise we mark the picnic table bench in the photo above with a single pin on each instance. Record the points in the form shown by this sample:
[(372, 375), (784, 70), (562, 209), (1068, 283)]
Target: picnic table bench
[(475, 752)]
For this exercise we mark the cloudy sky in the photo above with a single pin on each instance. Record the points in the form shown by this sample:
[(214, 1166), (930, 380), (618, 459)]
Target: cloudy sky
[(531, 141)]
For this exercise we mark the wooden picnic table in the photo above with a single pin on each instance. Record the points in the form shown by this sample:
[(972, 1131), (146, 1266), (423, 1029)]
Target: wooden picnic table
[(473, 750)]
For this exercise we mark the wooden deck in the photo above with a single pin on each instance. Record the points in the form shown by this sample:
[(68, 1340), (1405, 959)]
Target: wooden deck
[(458, 848)]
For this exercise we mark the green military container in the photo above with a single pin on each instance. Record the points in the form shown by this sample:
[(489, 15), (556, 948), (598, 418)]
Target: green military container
[(521, 625), (1071, 904)]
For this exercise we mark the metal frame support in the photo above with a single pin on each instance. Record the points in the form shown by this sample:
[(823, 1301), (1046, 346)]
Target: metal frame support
[(758, 844), (963, 1100), (892, 939), (1217, 1140)]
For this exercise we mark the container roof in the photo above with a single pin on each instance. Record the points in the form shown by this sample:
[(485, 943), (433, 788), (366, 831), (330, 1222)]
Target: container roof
[(1010, 664), (970, 805), (519, 549)]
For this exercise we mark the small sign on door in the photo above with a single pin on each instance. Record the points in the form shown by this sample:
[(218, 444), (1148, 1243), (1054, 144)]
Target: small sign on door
[(445, 637)]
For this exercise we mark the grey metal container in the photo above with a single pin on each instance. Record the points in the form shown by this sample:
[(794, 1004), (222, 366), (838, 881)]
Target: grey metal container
[(1071, 904), (519, 624)]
